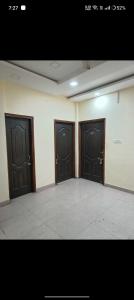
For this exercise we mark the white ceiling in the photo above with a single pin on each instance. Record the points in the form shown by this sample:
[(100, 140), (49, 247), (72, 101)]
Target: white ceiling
[(57, 70), (88, 74)]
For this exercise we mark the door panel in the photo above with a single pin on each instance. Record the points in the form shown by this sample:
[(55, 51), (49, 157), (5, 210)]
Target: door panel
[(64, 150), (19, 156), (92, 150)]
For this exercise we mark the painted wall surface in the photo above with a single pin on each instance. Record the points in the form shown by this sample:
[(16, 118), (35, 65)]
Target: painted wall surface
[(76, 139), (4, 191), (118, 109), (44, 109)]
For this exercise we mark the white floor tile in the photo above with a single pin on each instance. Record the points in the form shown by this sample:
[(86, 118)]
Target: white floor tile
[(74, 209), (41, 232), (2, 235)]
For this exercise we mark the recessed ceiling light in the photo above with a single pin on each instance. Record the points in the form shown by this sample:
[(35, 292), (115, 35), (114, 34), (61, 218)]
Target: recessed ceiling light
[(74, 83), (97, 94)]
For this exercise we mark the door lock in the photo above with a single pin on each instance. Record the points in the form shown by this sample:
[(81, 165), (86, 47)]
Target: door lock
[(57, 157), (100, 160)]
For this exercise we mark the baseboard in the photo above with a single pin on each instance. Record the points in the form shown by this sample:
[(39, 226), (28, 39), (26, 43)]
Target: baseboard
[(4, 203), (119, 188), (45, 187)]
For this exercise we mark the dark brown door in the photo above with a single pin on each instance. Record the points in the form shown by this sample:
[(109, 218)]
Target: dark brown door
[(19, 156), (92, 146), (64, 150)]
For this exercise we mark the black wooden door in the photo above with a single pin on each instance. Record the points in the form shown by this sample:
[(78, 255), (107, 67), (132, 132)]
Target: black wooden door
[(19, 156), (92, 150), (64, 151)]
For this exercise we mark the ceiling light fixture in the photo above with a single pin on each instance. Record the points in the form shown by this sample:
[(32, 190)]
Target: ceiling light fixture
[(97, 94), (74, 83)]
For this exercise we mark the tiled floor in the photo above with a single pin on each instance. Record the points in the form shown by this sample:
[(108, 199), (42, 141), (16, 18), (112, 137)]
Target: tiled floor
[(74, 209)]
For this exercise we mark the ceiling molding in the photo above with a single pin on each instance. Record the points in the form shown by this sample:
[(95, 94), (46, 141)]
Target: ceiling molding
[(33, 72), (73, 74), (102, 86), (86, 65), (105, 78)]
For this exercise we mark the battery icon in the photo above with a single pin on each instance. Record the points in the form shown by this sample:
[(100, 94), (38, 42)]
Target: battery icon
[(23, 7)]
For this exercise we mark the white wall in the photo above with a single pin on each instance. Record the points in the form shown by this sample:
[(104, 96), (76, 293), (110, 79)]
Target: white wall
[(76, 139), (44, 109), (119, 159), (4, 192)]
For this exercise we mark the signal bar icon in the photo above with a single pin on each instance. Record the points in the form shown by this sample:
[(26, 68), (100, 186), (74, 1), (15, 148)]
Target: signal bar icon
[(108, 7)]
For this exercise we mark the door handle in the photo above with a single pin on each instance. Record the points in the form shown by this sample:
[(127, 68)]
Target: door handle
[(57, 157), (100, 160), (29, 160)]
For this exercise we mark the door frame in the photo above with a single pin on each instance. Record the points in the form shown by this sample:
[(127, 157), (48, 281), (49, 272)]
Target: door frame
[(65, 122), (31, 121), (79, 142)]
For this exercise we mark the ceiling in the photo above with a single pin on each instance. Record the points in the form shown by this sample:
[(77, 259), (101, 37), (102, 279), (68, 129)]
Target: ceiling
[(94, 78), (57, 70)]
